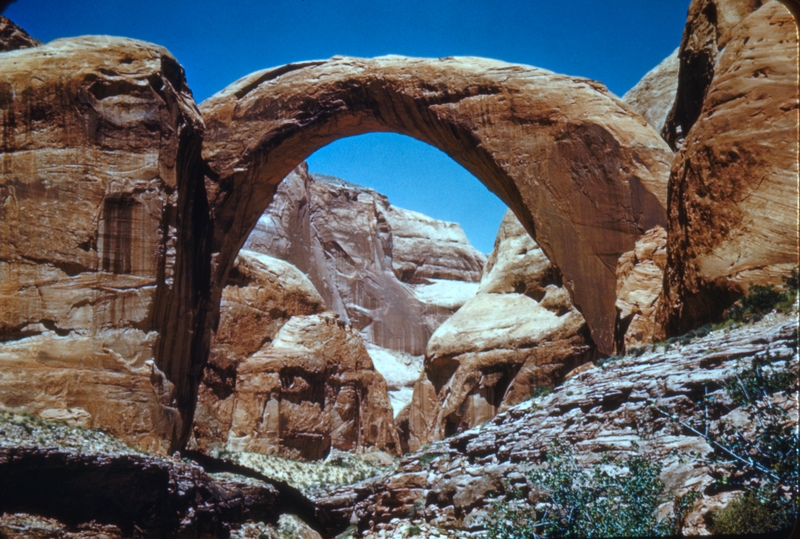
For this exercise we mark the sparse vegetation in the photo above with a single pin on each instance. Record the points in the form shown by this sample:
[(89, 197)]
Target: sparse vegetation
[(615, 498), (540, 391), (760, 300), (763, 451), (310, 477)]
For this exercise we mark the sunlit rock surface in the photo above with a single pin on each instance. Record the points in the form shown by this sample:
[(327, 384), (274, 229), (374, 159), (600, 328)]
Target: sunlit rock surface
[(653, 96), (99, 292), (395, 275), (734, 195), (519, 333)]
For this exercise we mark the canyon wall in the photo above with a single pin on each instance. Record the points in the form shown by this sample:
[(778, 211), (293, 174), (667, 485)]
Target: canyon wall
[(733, 201), (102, 263), (376, 266)]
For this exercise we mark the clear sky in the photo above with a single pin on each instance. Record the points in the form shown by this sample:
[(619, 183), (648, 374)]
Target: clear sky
[(613, 41)]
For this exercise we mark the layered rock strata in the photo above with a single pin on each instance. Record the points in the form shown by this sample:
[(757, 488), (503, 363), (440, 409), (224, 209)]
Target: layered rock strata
[(263, 293), (379, 267), (551, 147), (733, 201), (451, 486), (519, 334), (102, 260)]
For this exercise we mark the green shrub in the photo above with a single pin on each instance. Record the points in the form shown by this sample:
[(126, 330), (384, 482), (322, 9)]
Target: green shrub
[(750, 513), (767, 455), (540, 391), (760, 300), (615, 498)]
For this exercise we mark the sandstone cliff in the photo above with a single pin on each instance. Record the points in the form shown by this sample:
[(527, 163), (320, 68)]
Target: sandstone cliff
[(708, 29), (519, 334), (733, 198), (101, 270), (375, 265)]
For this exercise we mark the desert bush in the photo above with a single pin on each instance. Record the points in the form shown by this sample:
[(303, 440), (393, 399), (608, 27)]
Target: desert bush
[(618, 497), (760, 300)]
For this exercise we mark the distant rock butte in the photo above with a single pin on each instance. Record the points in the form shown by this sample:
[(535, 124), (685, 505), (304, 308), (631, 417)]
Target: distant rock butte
[(99, 296), (733, 189), (519, 334), (653, 96), (581, 172), (394, 274)]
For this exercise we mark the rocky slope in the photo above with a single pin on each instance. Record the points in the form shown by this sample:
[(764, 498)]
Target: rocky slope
[(733, 188), (374, 264), (520, 333), (449, 487)]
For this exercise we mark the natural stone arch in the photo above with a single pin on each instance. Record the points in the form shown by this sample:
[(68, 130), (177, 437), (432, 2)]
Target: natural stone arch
[(584, 174)]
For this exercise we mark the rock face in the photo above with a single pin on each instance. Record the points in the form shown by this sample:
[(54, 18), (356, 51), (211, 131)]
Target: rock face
[(733, 188), (12, 37), (581, 172), (519, 333), (312, 389), (101, 279), (284, 378), (263, 293), (653, 96), (375, 265), (708, 29), (452, 484), (640, 279)]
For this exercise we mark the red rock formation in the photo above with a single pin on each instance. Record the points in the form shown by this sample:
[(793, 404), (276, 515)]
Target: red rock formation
[(263, 293), (552, 147), (12, 37), (363, 255), (519, 333), (709, 24), (312, 389), (101, 280), (733, 189)]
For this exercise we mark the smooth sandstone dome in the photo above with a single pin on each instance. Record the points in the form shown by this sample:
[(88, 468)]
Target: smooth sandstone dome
[(583, 173)]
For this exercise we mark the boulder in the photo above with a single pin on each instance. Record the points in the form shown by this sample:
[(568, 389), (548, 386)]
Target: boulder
[(101, 280), (653, 96), (582, 172), (312, 389), (519, 334), (393, 274), (640, 278), (263, 293), (733, 188)]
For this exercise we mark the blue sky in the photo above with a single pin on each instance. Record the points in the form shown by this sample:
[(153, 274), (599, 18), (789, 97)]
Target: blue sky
[(613, 41)]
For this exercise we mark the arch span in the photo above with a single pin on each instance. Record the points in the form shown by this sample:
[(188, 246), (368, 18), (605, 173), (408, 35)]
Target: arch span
[(585, 175)]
